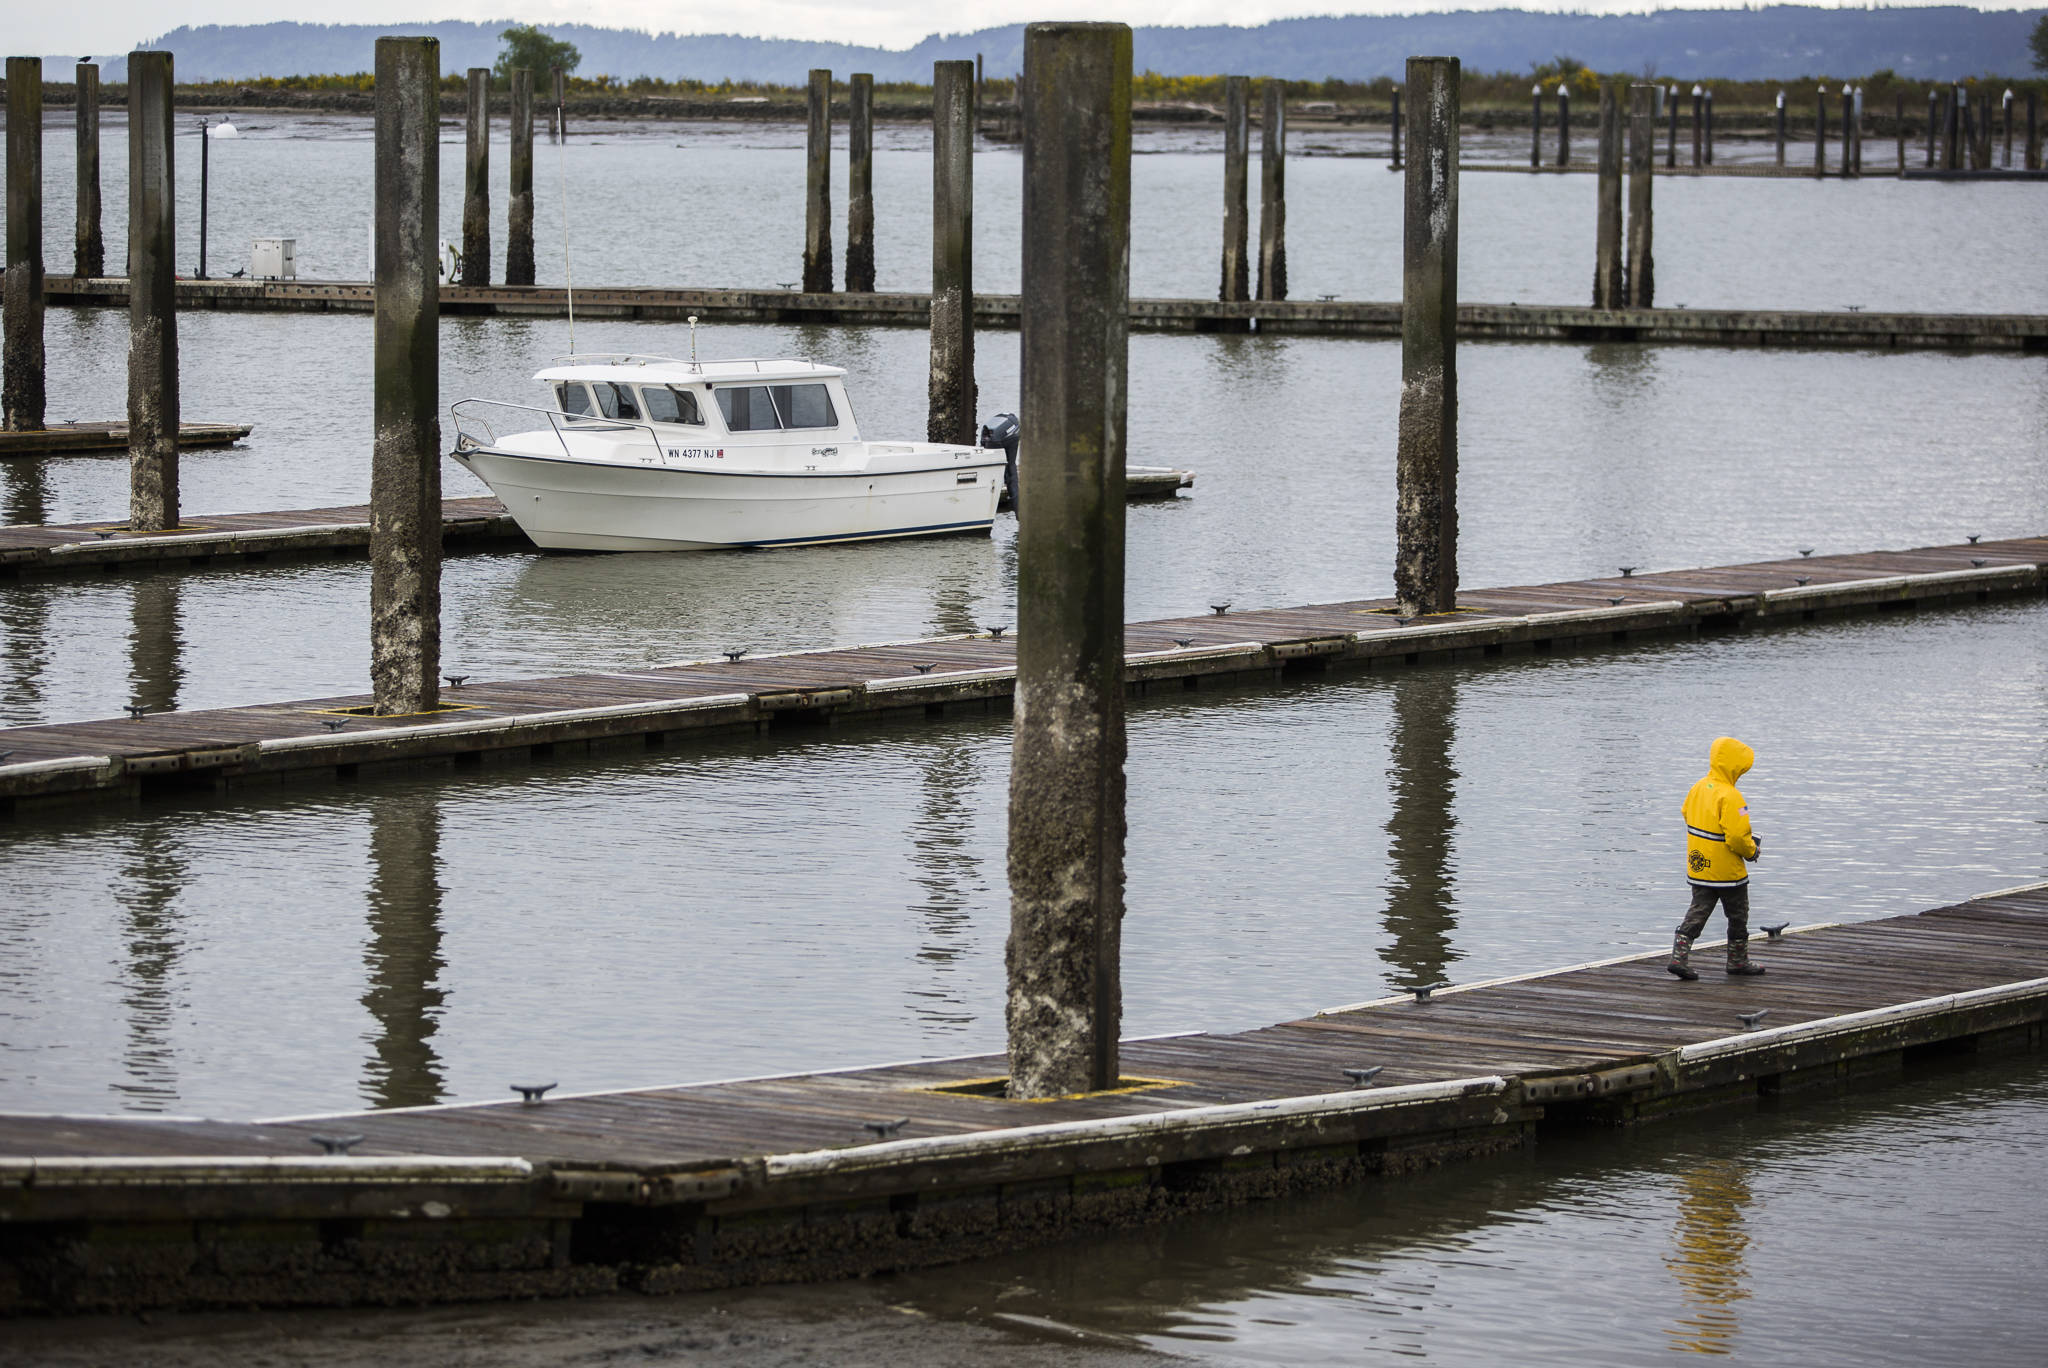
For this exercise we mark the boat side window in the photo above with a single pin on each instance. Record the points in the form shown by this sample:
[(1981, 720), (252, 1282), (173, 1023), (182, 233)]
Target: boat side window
[(747, 408), (666, 404), (616, 401), (573, 398), (804, 406)]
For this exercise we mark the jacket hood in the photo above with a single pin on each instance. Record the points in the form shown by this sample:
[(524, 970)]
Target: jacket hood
[(1730, 757)]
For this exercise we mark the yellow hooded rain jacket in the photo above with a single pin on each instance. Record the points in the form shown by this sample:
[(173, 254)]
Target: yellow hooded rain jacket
[(1718, 843)]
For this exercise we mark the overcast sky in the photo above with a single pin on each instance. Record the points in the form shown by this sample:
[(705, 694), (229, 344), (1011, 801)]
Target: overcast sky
[(110, 27)]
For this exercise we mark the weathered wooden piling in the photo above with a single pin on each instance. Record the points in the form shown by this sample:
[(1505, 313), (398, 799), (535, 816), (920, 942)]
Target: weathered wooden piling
[(818, 187), (860, 181), (1980, 142), (1933, 125), (2006, 161), (1640, 283), (1710, 128), (1394, 125), (1670, 99), (1848, 131), (1273, 193), (1564, 124), (89, 254), (1899, 128), (1699, 101), (152, 296), (1951, 129), (950, 417), (405, 470), (1426, 457), (1608, 276), (1781, 128), (519, 209), (1237, 142), (21, 298), (1820, 132), (476, 182), (1066, 853), (1536, 126), (2033, 132)]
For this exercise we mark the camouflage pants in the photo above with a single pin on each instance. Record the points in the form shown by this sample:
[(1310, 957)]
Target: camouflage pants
[(1734, 901)]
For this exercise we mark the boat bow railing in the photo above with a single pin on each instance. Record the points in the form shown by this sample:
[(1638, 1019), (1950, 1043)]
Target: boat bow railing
[(473, 429)]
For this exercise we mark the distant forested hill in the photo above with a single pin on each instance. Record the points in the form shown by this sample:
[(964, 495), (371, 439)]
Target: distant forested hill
[(1778, 42)]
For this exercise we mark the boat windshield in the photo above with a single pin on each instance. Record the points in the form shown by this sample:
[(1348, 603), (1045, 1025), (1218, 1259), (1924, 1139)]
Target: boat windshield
[(767, 408), (616, 401), (665, 404), (573, 399)]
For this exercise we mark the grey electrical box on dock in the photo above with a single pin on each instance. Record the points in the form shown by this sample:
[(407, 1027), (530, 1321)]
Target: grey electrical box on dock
[(274, 259)]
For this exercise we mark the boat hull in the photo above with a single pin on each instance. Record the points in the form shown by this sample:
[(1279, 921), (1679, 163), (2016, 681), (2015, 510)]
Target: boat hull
[(586, 506)]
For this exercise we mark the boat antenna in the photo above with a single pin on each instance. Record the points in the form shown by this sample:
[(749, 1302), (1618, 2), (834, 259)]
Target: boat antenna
[(693, 345), (568, 275)]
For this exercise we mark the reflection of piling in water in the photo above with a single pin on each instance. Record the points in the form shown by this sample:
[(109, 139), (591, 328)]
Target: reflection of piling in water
[(476, 182), (1237, 137), (147, 890), (1711, 1239), (152, 297), (1426, 457), (89, 252), (818, 186), (405, 471), (403, 954), (950, 417), (1420, 827), (156, 643), (21, 298), (1066, 855), (519, 206), (1273, 194), (1607, 266), (945, 866), (860, 183)]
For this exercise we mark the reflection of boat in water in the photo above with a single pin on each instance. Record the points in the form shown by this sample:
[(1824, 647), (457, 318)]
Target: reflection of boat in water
[(649, 453)]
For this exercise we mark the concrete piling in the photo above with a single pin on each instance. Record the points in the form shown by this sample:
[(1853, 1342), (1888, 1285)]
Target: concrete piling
[(89, 255), (1273, 192), (1608, 275), (1564, 124), (1426, 457), (1237, 141), (519, 211), (1640, 282), (818, 187), (405, 470), (21, 298), (476, 182), (1066, 856), (152, 296), (860, 181), (1395, 134), (950, 417), (1781, 128)]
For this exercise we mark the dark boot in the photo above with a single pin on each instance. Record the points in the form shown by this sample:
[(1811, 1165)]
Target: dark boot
[(1738, 959), (1681, 958)]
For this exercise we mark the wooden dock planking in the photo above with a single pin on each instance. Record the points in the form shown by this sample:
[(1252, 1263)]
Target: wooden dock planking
[(120, 759), (1339, 318), (692, 1185), (81, 439), (467, 524)]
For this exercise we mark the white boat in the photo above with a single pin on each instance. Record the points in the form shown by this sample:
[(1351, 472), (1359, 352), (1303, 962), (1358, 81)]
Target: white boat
[(650, 453)]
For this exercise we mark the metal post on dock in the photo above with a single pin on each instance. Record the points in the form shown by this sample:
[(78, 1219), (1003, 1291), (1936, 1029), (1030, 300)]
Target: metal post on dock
[(89, 255), (405, 469), (1536, 126), (1699, 100), (152, 296), (1426, 455), (1564, 124), (950, 417), (21, 298), (1273, 192), (860, 180), (519, 206), (1237, 142), (818, 187), (1781, 128), (205, 191), (1066, 826), (476, 182), (1820, 132), (1640, 283), (1394, 125), (1607, 262)]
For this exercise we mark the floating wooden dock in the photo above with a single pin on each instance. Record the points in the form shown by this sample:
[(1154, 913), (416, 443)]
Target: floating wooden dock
[(827, 1175), (123, 759), (213, 539), (1329, 317), (80, 439)]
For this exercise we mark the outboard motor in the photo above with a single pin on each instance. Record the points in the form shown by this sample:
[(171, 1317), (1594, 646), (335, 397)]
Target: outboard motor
[(1000, 434)]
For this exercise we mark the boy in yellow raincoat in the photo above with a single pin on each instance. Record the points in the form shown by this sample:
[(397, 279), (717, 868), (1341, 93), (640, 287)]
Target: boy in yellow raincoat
[(1718, 847)]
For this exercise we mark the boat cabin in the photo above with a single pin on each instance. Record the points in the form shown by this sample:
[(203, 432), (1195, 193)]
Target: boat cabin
[(762, 399)]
